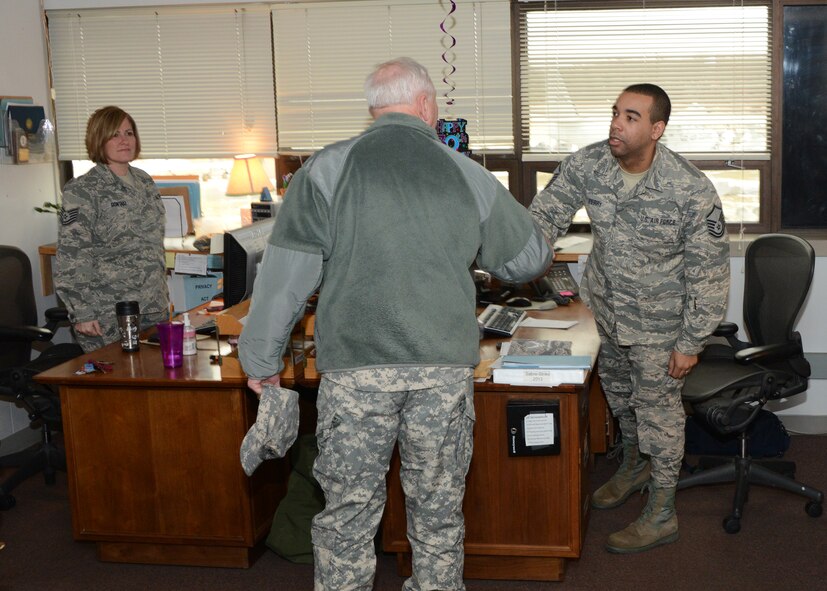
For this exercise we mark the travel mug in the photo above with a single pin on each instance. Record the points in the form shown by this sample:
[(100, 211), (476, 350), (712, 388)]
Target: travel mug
[(129, 324)]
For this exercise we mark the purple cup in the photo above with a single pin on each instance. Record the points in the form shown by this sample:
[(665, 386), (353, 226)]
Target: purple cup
[(171, 337)]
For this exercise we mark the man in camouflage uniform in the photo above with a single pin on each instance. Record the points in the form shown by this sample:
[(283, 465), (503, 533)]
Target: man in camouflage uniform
[(111, 237), (657, 282), (387, 224)]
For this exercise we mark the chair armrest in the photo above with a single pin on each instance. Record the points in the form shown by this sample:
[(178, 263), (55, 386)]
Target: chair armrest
[(55, 317), (57, 314), (726, 329), (729, 330), (765, 353), (25, 333)]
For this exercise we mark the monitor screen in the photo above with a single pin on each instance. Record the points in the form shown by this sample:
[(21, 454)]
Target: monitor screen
[(243, 250)]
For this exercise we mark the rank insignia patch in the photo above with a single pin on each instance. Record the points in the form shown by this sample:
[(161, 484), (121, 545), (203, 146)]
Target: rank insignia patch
[(715, 222), (68, 216)]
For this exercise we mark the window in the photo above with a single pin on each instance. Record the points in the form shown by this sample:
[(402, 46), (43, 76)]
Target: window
[(324, 50), (803, 149), (737, 187), (197, 80), (713, 58), (505, 168), (210, 80)]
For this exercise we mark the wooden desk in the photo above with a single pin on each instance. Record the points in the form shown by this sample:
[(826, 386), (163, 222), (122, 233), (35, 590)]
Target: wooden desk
[(524, 516), (153, 459), (154, 474)]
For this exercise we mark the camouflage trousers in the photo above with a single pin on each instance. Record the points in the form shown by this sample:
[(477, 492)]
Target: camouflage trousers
[(646, 402), (361, 416)]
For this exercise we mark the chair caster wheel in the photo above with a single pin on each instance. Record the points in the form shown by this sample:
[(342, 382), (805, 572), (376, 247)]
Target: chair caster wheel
[(813, 509), (732, 525), (7, 502)]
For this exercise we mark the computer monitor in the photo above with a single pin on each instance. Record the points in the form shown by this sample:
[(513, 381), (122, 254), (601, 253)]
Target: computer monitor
[(243, 250)]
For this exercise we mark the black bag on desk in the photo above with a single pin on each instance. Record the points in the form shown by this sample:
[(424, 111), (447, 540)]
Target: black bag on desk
[(766, 438)]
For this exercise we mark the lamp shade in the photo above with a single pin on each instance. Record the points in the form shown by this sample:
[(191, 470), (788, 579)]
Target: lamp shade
[(247, 176)]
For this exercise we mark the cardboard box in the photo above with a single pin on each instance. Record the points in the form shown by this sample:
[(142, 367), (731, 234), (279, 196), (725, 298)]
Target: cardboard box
[(230, 320), (188, 291)]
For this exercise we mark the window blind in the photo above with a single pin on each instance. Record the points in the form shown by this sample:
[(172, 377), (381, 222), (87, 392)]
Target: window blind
[(712, 58), (324, 50), (197, 80)]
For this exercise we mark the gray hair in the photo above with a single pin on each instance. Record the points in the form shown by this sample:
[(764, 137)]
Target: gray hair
[(397, 82)]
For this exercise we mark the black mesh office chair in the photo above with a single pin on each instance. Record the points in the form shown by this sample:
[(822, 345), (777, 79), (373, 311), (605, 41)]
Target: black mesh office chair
[(733, 381), (18, 333)]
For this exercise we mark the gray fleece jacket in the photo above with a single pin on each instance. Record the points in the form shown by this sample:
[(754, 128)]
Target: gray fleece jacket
[(386, 225)]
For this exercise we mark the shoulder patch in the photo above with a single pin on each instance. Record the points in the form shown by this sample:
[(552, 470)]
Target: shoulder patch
[(553, 178), (715, 222), (69, 216)]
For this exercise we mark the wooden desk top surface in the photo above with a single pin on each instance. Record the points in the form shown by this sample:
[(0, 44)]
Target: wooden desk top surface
[(145, 367), (583, 337)]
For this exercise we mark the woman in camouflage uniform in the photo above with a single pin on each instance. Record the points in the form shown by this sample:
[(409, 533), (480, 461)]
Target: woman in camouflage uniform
[(111, 237)]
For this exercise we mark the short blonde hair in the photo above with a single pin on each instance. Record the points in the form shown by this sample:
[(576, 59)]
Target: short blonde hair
[(101, 127)]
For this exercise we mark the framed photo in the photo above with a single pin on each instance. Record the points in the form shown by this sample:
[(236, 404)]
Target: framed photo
[(179, 215)]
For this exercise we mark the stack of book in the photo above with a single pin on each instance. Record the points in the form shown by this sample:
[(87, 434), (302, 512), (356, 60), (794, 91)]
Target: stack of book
[(542, 370)]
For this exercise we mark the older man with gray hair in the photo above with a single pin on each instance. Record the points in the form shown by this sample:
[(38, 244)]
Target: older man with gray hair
[(386, 225)]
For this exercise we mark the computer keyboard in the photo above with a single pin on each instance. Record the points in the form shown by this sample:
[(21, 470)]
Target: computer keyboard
[(501, 320), (207, 327)]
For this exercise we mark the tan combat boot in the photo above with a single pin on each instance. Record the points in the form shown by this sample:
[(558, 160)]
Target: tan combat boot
[(630, 477), (657, 525)]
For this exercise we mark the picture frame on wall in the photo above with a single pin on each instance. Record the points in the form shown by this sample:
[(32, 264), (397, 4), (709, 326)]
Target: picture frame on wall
[(178, 213)]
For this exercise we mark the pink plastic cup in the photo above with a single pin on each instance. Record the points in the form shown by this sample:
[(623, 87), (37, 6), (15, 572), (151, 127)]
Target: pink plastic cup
[(171, 337)]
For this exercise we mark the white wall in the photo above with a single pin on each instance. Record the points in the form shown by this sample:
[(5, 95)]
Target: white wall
[(23, 72)]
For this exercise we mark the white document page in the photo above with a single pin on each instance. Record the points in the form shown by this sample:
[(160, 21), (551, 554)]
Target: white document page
[(539, 323), (539, 429), (190, 264)]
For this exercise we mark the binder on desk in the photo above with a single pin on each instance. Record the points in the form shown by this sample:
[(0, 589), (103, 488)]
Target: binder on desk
[(542, 370), (547, 361), (533, 427)]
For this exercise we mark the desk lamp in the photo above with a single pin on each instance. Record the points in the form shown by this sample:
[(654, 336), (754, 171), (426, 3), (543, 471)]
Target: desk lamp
[(247, 176)]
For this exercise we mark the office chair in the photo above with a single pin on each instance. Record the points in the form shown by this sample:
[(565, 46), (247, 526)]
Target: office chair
[(732, 382), (18, 333)]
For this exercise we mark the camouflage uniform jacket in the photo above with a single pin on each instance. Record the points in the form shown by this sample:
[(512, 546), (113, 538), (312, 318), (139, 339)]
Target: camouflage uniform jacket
[(110, 245), (388, 223), (658, 272)]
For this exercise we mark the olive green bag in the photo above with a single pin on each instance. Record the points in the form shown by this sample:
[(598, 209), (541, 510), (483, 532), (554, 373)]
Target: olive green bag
[(290, 533)]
